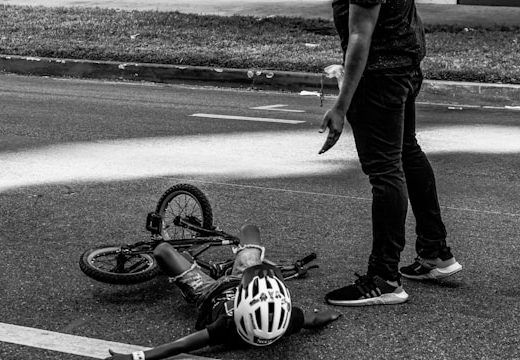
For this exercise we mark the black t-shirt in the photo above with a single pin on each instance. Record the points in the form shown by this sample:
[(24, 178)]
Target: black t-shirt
[(398, 39), (224, 331)]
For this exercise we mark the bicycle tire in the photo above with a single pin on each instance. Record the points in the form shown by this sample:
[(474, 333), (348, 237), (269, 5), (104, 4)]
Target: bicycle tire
[(88, 265), (204, 214)]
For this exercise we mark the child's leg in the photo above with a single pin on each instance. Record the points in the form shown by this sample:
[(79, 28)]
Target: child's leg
[(170, 260), (250, 252), (192, 281)]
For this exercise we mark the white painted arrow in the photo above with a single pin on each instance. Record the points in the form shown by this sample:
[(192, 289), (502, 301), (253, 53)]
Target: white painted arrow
[(276, 107)]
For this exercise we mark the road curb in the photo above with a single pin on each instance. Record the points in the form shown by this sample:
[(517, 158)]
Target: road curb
[(432, 91)]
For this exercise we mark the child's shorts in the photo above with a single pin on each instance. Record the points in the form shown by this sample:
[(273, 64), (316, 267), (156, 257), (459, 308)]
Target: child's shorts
[(195, 284)]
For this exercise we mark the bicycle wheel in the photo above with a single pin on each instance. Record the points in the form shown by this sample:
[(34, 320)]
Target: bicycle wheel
[(188, 202), (110, 265)]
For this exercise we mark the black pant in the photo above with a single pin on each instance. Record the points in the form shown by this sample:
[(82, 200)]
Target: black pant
[(382, 116)]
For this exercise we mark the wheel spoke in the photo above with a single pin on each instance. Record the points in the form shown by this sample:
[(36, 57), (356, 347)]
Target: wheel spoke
[(108, 262), (182, 205), (139, 266)]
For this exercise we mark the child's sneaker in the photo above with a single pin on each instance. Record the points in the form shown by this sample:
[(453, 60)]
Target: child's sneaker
[(423, 269), (368, 290)]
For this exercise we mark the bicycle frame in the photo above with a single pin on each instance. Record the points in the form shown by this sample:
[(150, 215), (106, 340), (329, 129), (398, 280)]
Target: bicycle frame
[(215, 237), (196, 245)]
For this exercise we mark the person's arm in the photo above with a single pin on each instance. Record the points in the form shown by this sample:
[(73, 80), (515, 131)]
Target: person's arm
[(319, 319), (186, 344), (362, 22)]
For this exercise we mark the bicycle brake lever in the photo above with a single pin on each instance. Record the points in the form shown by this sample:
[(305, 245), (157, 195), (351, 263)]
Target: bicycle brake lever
[(295, 275), (303, 271)]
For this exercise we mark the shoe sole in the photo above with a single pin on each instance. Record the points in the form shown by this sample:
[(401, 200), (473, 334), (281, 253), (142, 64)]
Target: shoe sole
[(384, 299), (436, 274)]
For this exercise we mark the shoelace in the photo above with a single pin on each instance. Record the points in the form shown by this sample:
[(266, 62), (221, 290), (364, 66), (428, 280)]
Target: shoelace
[(366, 286), (423, 263), (362, 279)]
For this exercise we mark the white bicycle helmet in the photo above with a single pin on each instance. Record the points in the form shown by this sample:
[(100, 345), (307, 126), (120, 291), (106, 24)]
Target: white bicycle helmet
[(262, 305)]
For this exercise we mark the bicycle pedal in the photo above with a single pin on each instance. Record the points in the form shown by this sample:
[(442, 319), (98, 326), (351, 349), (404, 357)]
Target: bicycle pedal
[(153, 223)]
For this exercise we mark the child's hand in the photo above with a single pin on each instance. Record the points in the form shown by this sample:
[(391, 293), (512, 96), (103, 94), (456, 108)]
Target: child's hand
[(116, 356), (321, 318), (326, 316)]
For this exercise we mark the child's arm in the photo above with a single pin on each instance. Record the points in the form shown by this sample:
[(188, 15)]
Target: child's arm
[(319, 319), (188, 343)]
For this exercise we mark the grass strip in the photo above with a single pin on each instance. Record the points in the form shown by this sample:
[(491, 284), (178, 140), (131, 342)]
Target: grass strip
[(277, 43)]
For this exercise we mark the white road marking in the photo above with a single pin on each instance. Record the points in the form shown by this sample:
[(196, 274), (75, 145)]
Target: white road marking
[(65, 343), (514, 108), (463, 106), (449, 104), (277, 107), (247, 118), (313, 93), (493, 107)]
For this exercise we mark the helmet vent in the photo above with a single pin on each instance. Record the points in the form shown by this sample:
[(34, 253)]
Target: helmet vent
[(239, 298), (255, 287), (252, 322), (271, 314), (281, 287), (285, 322), (258, 316), (282, 318)]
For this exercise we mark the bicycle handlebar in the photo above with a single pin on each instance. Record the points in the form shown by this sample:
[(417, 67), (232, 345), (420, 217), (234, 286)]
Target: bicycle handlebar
[(307, 259)]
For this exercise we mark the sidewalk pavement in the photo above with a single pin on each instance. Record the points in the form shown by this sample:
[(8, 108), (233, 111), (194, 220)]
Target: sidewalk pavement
[(465, 15)]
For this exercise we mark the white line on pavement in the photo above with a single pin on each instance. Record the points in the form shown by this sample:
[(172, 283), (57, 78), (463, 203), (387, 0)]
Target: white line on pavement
[(463, 106), (515, 108), (449, 105), (277, 107), (246, 118), (65, 343)]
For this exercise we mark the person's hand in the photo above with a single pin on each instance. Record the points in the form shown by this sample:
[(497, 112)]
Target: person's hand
[(116, 356), (318, 319), (333, 119), (325, 317)]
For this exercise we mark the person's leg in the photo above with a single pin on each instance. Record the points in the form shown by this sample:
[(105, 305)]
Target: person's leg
[(420, 179), (250, 252), (170, 260), (190, 279), (377, 126), (376, 116)]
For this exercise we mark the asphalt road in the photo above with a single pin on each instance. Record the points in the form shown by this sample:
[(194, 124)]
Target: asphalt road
[(84, 161)]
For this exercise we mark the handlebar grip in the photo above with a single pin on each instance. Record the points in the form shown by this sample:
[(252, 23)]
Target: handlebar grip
[(307, 259)]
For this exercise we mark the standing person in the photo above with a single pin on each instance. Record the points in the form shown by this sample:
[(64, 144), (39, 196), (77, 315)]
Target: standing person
[(383, 43)]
